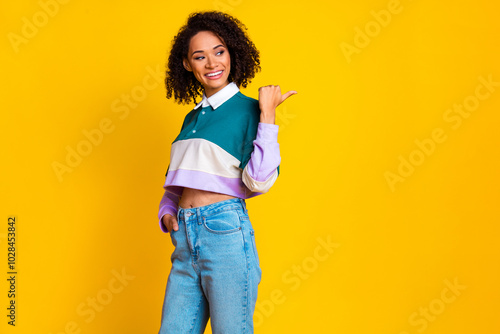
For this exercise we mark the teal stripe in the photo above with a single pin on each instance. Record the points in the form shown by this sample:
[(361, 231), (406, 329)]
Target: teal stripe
[(232, 126)]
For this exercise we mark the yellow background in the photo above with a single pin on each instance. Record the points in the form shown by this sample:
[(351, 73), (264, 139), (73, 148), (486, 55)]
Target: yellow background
[(397, 248)]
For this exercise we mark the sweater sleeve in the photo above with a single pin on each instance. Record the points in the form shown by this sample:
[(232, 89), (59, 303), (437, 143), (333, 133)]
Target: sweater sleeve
[(169, 205), (261, 171)]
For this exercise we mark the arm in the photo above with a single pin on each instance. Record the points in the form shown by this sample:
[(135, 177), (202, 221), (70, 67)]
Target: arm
[(261, 171)]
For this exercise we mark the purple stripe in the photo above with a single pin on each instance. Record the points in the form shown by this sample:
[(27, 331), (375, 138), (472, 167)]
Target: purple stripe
[(209, 182)]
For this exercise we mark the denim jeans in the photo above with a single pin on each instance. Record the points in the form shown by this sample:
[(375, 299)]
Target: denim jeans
[(215, 271)]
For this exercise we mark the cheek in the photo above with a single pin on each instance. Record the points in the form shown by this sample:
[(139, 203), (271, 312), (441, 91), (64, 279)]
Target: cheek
[(198, 72)]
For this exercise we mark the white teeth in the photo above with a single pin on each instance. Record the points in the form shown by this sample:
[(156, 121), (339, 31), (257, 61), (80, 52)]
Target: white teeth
[(214, 74)]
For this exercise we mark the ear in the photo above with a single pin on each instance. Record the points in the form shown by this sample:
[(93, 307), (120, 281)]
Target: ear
[(186, 65)]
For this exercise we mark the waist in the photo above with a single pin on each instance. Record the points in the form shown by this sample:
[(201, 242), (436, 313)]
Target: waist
[(192, 198), (197, 213), (176, 180)]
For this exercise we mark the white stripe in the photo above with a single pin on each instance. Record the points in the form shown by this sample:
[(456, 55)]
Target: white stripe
[(259, 186), (202, 155)]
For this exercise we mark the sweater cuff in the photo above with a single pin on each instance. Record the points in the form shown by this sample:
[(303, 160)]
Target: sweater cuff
[(168, 205), (169, 211)]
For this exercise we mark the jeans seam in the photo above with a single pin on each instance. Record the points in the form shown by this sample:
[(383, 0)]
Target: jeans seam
[(234, 230), (196, 315), (245, 278), (254, 248), (246, 299), (222, 209), (221, 232)]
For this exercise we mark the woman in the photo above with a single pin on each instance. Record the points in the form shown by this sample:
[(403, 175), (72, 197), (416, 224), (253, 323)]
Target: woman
[(226, 152)]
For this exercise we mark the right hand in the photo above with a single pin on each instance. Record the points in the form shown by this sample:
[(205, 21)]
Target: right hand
[(269, 99), (170, 222)]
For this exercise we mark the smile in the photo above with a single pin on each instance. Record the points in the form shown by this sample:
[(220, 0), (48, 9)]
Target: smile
[(214, 75)]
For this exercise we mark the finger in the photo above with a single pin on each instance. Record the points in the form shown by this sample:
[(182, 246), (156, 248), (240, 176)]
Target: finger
[(175, 226), (287, 95), (165, 223)]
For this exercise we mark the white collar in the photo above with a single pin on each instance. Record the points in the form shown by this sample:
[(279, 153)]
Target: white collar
[(220, 97)]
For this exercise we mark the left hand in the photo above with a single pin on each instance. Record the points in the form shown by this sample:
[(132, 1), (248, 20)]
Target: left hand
[(269, 98)]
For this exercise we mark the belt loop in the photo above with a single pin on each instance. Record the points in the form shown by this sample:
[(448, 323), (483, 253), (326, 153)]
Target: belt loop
[(178, 214), (199, 218), (243, 204)]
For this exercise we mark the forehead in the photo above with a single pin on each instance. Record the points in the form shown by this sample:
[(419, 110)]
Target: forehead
[(204, 40)]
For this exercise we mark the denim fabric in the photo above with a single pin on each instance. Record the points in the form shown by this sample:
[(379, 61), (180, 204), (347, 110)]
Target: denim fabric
[(215, 271)]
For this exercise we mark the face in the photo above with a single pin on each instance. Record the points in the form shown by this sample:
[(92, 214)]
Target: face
[(209, 60)]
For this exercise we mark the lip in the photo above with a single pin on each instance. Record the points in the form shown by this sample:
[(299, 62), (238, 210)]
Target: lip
[(216, 76)]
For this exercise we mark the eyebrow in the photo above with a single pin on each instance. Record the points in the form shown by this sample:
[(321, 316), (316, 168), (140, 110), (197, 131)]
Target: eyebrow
[(215, 47)]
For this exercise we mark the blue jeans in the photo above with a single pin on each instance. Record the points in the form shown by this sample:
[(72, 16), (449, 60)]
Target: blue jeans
[(215, 271)]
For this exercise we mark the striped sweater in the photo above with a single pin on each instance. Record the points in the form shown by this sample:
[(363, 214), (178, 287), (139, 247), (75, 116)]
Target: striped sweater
[(222, 148)]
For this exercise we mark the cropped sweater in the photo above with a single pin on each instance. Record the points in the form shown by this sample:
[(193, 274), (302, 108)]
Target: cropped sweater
[(222, 148)]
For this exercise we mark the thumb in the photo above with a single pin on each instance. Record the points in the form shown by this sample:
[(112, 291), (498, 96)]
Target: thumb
[(287, 95)]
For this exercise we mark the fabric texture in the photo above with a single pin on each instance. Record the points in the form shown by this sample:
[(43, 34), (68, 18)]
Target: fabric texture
[(215, 271), (222, 147)]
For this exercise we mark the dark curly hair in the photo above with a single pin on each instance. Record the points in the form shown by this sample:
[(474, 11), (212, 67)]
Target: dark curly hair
[(245, 62)]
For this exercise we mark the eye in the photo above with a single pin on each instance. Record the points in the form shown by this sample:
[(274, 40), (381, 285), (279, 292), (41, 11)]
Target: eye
[(199, 58), (220, 52)]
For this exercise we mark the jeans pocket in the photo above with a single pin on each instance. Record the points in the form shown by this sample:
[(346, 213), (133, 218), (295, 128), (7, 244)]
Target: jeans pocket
[(224, 222)]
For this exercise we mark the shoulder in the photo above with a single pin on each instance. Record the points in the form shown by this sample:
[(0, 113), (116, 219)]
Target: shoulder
[(245, 98), (189, 116), (249, 114), (191, 113), (247, 107), (246, 101)]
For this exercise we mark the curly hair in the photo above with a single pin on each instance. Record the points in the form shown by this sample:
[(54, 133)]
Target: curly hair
[(245, 62)]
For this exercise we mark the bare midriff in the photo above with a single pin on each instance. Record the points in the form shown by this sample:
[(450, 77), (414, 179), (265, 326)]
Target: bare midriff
[(192, 198)]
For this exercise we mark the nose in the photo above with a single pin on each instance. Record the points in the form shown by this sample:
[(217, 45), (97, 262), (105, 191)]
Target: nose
[(211, 62)]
